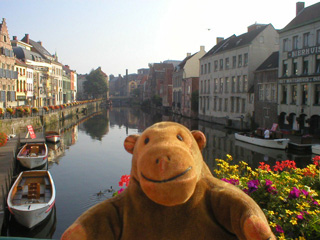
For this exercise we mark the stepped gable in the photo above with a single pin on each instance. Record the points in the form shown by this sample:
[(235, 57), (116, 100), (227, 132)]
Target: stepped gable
[(307, 15)]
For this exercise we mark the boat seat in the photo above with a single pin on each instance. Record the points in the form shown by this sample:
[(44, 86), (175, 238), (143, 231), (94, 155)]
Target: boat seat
[(33, 190), (34, 149)]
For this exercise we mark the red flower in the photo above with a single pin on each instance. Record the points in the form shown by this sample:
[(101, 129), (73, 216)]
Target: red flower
[(316, 160), (264, 166)]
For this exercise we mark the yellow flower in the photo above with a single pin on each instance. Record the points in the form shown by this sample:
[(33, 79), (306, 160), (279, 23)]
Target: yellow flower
[(229, 157), (281, 237), (293, 221), (271, 212), (289, 212), (272, 224)]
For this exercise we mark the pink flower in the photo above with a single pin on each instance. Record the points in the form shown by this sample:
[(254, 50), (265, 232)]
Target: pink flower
[(279, 229)]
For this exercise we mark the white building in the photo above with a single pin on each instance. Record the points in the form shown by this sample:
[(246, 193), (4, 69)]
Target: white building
[(299, 71), (227, 75)]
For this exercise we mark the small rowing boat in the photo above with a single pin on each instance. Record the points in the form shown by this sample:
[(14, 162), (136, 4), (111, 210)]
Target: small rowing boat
[(32, 197), (33, 155), (52, 136)]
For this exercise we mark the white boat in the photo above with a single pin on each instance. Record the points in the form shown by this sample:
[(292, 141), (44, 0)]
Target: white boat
[(316, 149), (281, 143), (52, 136), (32, 197), (33, 155)]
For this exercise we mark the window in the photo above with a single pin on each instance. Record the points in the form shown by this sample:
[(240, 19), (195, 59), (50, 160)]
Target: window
[(221, 64), (317, 94), (233, 85), (294, 94), (4, 38), (284, 94), (306, 39), (318, 37), (215, 88), (209, 67), (305, 67), (205, 69), (216, 65), (201, 83), (226, 103), (273, 92), (284, 68), (246, 59), (227, 63), (205, 86), (318, 64), (304, 94), (201, 69), (240, 61), (209, 86), (238, 84), (295, 43), (260, 92), (226, 85), (243, 105), (238, 104), (234, 62), (232, 104), (215, 100), (285, 45), (294, 67), (221, 85), (245, 83), (220, 104)]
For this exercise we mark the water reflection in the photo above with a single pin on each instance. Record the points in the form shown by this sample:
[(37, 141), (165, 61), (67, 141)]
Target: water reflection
[(90, 157)]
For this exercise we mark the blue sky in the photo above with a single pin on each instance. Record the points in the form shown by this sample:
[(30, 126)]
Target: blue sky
[(129, 34)]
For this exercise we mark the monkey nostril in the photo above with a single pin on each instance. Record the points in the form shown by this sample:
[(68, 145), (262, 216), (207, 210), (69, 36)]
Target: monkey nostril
[(169, 159), (157, 161)]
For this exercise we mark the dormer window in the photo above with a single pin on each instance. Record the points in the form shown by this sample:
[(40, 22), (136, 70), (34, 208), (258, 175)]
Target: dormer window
[(239, 41)]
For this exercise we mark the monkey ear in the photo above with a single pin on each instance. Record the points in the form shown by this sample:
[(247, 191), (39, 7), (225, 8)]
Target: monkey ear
[(130, 142), (200, 138)]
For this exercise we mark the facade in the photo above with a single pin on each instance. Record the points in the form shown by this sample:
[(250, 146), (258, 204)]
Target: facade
[(81, 78), (299, 71), (227, 75), (66, 84), (158, 83), (265, 92), (190, 86), (22, 86), (187, 69), (8, 75)]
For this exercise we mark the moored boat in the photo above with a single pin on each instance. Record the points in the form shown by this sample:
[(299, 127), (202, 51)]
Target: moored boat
[(32, 197), (33, 155), (52, 136), (316, 149), (281, 143)]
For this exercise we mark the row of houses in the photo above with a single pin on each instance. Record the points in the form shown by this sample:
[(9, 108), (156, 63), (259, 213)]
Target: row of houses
[(258, 78), (30, 75)]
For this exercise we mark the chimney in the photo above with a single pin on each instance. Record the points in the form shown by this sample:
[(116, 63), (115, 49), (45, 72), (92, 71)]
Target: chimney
[(188, 54), (219, 39), (27, 38), (40, 43), (299, 7), (202, 49), (255, 26)]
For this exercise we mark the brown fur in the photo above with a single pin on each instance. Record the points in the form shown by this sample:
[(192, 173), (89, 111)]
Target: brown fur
[(172, 195)]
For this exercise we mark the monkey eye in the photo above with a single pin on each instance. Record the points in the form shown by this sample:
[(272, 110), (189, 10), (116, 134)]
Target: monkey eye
[(146, 140), (179, 137)]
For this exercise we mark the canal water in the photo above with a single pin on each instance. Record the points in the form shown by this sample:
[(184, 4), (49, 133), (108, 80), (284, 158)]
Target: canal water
[(88, 162)]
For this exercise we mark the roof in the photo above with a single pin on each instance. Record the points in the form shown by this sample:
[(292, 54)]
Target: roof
[(184, 61), (271, 62), (40, 49), (23, 54), (236, 41), (308, 15)]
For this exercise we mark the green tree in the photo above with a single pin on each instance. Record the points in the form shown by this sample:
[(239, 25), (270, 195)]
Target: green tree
[(96, 84)]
